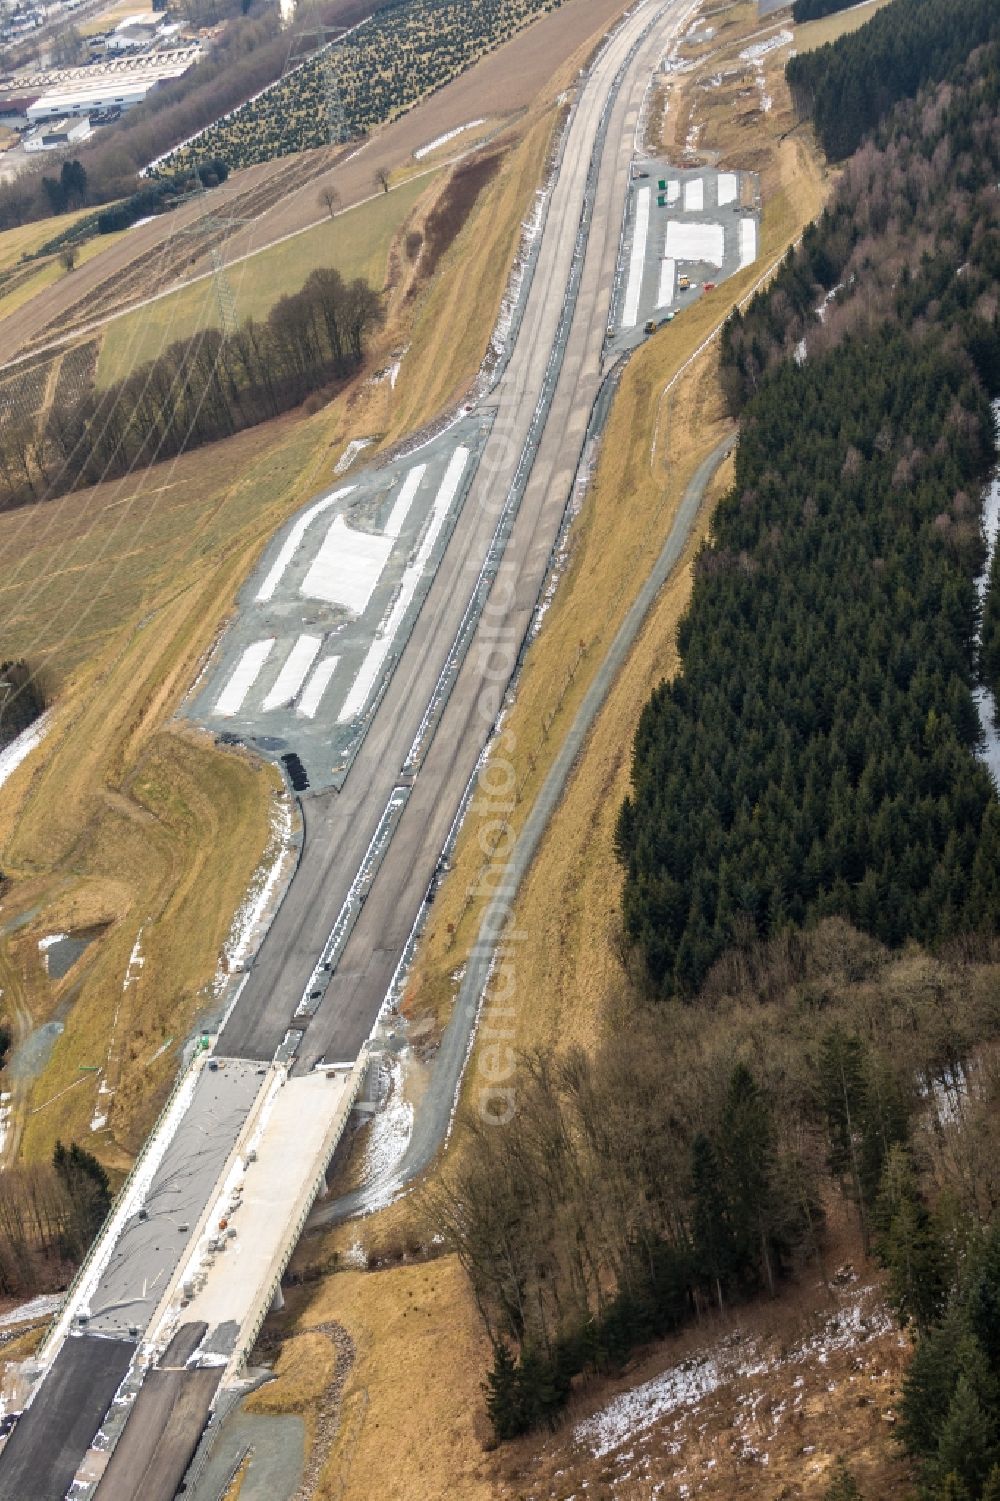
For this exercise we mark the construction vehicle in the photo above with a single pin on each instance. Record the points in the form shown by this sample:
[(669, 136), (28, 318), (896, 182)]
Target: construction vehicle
[(684, 283)]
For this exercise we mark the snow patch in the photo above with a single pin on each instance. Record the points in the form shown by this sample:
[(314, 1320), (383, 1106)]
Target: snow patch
[(637, 1410), (986, 706), (42, 1307), (20, 749), (757, 55), (388, 1136), (449, 135), (48, 942), (350, 453), (252, 914), (531, 229), (633, 1412)]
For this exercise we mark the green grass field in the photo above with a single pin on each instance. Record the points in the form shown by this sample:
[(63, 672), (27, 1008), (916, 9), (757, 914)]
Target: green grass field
[(27, 238), (356, 242), (816, 33)]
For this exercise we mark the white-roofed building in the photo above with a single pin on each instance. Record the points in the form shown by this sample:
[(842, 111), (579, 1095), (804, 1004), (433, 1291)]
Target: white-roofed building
[(57, 134), (115, 85), (134, 33)]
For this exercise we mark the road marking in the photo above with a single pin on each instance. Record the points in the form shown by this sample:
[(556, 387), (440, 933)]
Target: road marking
[(291, 543), (728, 187), (748, 242), (347, 567), (630, 317), (316, 687), (293, 674), (404, 501), (243, 677), (371, 667), (694, 195), (668, 270)]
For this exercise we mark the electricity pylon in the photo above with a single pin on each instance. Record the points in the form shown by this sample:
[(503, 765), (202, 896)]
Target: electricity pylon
[(327, 53)]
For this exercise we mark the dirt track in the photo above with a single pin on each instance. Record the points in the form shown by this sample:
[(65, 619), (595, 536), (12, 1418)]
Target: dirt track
[(502, 84)]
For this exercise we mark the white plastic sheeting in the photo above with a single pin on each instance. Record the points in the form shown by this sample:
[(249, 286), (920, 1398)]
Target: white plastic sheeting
[(243, 676), (668, 274), (696, 242), (347, 567), (293, 673), (748, 242), (694, 195), (317, 685), (291, 544), (630, 315), (404, 500), (727, 188), (375, 659)]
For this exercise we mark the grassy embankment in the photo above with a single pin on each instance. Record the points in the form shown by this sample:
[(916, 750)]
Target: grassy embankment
[(568, 966)]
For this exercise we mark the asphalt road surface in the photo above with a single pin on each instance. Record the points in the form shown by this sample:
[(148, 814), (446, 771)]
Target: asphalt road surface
[(161, 1434), (339, 826), (42, 1455)]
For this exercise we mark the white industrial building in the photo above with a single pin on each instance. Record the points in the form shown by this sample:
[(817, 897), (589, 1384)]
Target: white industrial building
[(58, 134), (115, 85)]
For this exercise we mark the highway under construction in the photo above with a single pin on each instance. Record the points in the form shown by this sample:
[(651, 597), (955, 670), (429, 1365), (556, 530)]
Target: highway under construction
[(364, 655)]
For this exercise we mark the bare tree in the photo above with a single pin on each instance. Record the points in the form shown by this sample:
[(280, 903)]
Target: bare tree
[(67, 257), (382, 178), (330, 199)]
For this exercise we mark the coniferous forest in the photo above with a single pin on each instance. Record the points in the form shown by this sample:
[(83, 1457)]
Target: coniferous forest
[(850, 85), (816, 755), (812, 10), (807, 801)]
